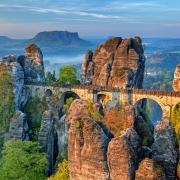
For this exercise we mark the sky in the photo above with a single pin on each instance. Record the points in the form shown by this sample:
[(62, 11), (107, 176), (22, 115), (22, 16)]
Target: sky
[(91, 18)]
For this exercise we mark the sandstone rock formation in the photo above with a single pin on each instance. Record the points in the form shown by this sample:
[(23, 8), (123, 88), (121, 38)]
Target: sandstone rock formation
[(116, 63), (21, 95), (48, 140), (165, 149), (123, 155), (87, 145), (18, 127), (62, 132), (149, 170), (176, 81), (32, 64)]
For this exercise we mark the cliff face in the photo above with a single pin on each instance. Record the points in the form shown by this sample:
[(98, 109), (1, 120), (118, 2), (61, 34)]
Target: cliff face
[(87, 145), (32, 64), (26, 68), (116, 63), (94, 154), (176, 81)]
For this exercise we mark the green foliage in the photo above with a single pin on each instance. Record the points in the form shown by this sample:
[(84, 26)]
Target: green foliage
[(162, 81), (67, 75), (62, 172), (7, 105), (22, 160), (35, 108), (50, 77), (93, 112), (67, 105)]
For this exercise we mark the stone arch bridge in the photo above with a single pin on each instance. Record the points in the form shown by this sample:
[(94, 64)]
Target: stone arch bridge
[(166, 100)]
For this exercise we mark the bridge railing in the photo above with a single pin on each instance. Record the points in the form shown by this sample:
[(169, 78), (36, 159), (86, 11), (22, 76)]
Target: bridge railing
[(108, 89)]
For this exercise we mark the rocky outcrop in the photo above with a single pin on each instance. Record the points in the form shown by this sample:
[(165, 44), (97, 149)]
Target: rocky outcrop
[(123, 155), (116, 63), (143, 126), (165, 149), (176, 81), (48, 140), (87, 68), (87, 145), (18, 127), (62, 132), (149, 170), (32, 64), (17, 72)]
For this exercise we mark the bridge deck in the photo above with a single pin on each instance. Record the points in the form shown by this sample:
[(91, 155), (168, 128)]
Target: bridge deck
[(111, 89)]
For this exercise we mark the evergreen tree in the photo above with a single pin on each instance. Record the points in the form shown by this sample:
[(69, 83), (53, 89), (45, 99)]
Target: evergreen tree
[(22, 160), (7, 105)]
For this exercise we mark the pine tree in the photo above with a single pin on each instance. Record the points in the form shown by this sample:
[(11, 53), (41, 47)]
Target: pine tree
[(7, 105)]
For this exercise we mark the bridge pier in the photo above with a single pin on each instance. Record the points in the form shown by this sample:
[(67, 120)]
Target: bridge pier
[(166, 114)]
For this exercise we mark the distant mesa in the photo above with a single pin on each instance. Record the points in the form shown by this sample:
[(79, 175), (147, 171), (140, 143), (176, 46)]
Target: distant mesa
[(58, 39), (49, 41)]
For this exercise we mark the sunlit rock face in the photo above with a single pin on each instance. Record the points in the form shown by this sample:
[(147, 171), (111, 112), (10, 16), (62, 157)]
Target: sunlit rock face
[(32, 63), (116, 63), (149, 170), (176, 81), (87, 145)]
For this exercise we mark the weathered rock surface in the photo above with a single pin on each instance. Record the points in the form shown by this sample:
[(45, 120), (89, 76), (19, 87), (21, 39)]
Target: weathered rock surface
[(48, 140), (87, 145), (148, 170), (176, 81), (32, 64), (18, 127), (123, 155), (165, 149), (21, 95), (144, 127), (116, 63), (62, 132), (87, 68)]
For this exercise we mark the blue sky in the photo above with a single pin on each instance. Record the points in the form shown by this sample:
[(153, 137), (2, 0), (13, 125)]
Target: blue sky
[(91, 18)]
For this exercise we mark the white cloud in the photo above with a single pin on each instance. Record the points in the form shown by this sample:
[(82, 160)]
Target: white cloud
[(64, 11)]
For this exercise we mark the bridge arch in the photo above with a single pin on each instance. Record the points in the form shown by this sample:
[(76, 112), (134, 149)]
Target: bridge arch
[(48, 93), (104, 98), (151, 109)]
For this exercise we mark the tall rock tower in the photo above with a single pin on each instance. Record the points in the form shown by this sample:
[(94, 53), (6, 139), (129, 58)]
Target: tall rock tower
[(116, 63)]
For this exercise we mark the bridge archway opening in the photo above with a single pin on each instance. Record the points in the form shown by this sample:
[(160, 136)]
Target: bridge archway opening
[(150, 110), (48, 93), (64, 97), (103, 99)]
